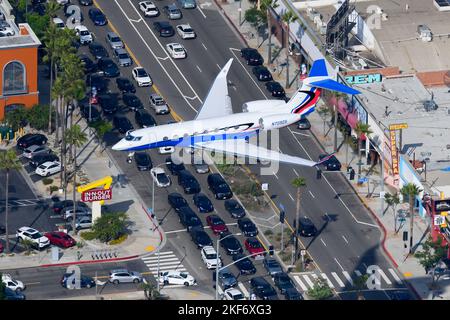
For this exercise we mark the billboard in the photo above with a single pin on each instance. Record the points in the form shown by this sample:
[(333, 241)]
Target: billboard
[(96, 195)]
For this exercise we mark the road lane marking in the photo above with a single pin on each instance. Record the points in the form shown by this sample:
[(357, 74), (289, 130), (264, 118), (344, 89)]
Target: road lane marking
[(243, 290), (295, 171), (201, 11), (394, 274), (165, 263), (291, 197), (198, 68), (323, 242), (218, 66), (275, 175), (302, 285), (308, 281), (205, 47), (174, 231), (31, 283), (384, 276), (301, 133), (137, 21), (347, 276), (311, 194), (339, 264), (330, 284), (338, 280), (345, 239)]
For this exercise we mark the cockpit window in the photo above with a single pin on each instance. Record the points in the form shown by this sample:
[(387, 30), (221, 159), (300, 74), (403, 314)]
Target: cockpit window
[(130, 137)]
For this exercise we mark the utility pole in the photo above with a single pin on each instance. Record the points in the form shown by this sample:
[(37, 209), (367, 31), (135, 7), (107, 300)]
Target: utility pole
[(158, 278), (335, 127)]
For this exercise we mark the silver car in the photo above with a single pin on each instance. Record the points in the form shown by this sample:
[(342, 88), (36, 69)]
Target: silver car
[(158, 104), (114, 40), (123, 57), (83, 222), (172, 12), (201, 167), (81, 211), (124, 276), (34, 150)]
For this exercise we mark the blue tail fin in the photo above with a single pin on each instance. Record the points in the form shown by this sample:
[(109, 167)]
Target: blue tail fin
[(318, 69)]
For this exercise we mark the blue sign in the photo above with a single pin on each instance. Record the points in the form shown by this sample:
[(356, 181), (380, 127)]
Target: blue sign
[(364, 78)]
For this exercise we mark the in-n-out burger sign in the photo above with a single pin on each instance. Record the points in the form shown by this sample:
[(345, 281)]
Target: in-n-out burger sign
[(96, 195)]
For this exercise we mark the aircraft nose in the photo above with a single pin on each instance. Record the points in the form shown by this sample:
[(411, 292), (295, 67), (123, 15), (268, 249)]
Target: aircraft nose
[(121, 145)]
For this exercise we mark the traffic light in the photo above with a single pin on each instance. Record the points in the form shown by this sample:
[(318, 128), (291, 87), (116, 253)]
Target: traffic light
[(271, 250), (282, 215), (405, 235), (319, 174)]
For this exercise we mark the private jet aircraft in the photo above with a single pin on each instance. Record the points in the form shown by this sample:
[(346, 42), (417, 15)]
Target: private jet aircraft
[(217, 128)]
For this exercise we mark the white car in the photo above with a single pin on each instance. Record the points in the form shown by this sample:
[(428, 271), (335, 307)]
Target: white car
[(176, 277), (166, 150), (161, 178), (233, 294), (185, 31), (84, 35), (149, 9), (7, 31), (209, 257), (141, 77), (176, 50), (25, 233), (12, 284), (62, 1), (48, 168), (59, 23)]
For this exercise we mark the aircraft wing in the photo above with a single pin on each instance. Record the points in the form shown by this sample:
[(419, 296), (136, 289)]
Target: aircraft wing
[(240, 147), (217, 102)]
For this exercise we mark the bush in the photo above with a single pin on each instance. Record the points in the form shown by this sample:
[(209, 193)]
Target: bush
[(119, 240), (88, 235), (38, 116), (110, 226), (53, 189), (47, 181)]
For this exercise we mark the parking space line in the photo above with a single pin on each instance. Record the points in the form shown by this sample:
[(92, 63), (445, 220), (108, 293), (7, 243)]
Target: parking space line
[(302, 285), (330, 284), (308, 281), (394, 274), (338, 280), (383, 275), (347, 276), (244, 290)]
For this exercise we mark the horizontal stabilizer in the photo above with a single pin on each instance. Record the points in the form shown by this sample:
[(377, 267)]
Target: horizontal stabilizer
[(332, 85)]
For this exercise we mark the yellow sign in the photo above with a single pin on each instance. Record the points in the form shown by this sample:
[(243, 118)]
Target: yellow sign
[(394, 153), (398, 126)]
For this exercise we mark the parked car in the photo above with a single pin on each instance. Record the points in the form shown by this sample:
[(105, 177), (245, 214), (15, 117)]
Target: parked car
[(176, 50), (38, 240), (306, 227), (176, 277), (60, 239), (210, 257), (247, 227), (188, 182), (172, 12), (176, 201), (174, 167), (201, 167), (80, 211), (275, 89), (254, 247), (56, 21), (13, 295), (91, 113), (160, 177), (97, 50), (303, 124), (230, 244), (48, 168), (189, 219), (143, 161), (244, 265), (83, 34), (132, 101), (216, 224), (187, 4), (203, 203), (200, 238), (85, 281), (185, 31), (114, 41), (83, 222), (89, 65), (124, 276), (86, 2), (283, 282), (227, 279), (332, 164), (252, 56), (149, 9), (122, 124), (108, 68), (35, 150), (262, 73), (263, 289), (292, 294), (60, 206), (163, 28), (158, 104), (141, 77), (97, 17), (108, 103), (11, 283), (272, 266), (219, 186), (122, 57), (144, 119), (166, 150), (234, 209), (31, 139), (233, 294), (125, 85), (98, 81)]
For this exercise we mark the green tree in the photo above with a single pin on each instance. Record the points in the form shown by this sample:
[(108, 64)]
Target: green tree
[(359, 284), (433, 252), (324, 112), (38, 23), (266, 5), (110, 226), (410, 191), (102, 127), (393, 200), (27, 244), (337, 96), (321, 290), (299, 183), (52, 9), (362, 130), (8, 162), (254, 17), (288, 18), (16, 118), (150, 291), (38, 116), (76, 138)]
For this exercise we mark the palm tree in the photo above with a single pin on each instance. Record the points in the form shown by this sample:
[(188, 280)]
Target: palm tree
[(298, 183), (392, 200), (8, 162), (265, 6), (150, 291), (337, 96), (361, 129), (76, 138), (52, 9), (411, 191), (288, 18)]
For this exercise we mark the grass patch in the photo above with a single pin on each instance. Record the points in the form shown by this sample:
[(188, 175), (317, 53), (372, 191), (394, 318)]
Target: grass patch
[(47, 181), (119, 240), (88, 235)]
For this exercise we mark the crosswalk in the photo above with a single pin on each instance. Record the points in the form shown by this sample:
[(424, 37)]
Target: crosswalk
[(167, 261), (22, 202), (344, 279)]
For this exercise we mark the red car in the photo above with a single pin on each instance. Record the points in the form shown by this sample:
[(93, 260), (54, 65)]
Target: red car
[(217, 225), (254, 247), (1, 248), (60, 239)]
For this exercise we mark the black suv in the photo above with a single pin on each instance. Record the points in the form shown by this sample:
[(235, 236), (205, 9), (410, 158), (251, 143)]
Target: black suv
[(132, 101), (107, 103), (245, 266), (97, 81), (176, 201), (234, 209), (247, 227), (231, 245), (97, 50), (94, 113), (173, 167), (125, 85), (31, 139), (275, 89), (144, 119), (252, 56), (189, 219), (283, 282), (143, 161), (219, 186), (188, 182), (108, 67), (164, 28), (89, 65), (332, 164), (200, 238), (263, 289), (306, 227), (122, 124), (262, 73), (203, 203), (41, 158)]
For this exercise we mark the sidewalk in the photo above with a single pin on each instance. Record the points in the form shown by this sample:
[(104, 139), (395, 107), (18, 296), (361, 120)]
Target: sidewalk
[(392, 242), (143, 240)]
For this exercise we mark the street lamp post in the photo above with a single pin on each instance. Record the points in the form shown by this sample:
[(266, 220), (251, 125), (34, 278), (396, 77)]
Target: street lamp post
[(217, 261)]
